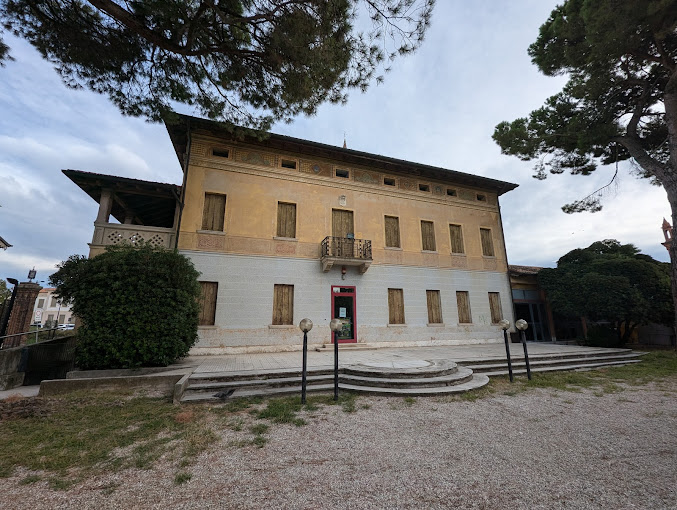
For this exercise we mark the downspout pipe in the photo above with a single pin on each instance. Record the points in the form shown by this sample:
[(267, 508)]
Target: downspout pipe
[(182, 200)]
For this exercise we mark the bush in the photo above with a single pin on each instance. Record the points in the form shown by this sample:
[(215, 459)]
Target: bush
[(602, 336), (138, 306)]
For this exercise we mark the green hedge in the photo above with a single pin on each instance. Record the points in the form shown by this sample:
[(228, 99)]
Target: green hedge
[(138, 306)]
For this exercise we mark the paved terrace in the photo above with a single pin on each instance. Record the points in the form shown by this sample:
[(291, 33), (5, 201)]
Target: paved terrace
[(382, 356)]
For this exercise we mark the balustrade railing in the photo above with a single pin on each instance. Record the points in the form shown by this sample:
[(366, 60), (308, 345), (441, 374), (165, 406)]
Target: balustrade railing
[(346, 248)]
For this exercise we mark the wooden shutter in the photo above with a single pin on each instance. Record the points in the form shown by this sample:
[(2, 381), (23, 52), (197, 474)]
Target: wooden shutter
[(463, 302), (487, 242), (208, 292), (495, 306), (456, 233), (214, 212), (392, 232), (434, 307), (286, 220), (283, 304), (428, 235), (342, 223), (395, 306)]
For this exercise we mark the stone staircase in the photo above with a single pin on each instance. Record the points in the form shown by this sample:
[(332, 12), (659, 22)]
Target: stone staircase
[(405, 378), (590, 359)]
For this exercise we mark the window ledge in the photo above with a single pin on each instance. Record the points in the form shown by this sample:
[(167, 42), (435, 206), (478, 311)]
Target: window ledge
[(394, 248), (281, 326), (429, 251), (454, 254), (435, 324), (397, 325), (211, 326), (289, 239), (465, 323), (488, 256), (213, 232)]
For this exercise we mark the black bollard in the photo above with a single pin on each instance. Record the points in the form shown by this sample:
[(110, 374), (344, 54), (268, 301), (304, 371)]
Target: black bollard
[(305, 368), (507, 353), (336, 365), (526, 354)]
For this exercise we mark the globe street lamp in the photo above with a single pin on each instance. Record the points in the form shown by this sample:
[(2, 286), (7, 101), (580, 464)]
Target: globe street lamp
[(335, 325), (305, 325), (522, 325), (505, 324)]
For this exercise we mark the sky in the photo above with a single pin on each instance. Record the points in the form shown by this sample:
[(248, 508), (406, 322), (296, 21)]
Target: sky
[(438, 106)]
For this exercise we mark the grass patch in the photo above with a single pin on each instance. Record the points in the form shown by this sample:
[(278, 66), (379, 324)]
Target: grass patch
[(84, 435), (182, 477), (409, 401), (30, 479), (259, 428)]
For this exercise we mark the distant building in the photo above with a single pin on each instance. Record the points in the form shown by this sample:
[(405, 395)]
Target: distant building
[(49, 308), (4, 244)]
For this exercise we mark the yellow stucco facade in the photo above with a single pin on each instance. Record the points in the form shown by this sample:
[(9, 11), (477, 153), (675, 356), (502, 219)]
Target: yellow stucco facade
[(254, 181)]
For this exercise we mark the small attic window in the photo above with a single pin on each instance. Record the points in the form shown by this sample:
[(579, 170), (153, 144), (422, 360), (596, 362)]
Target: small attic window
[(451, 192), (481, 198), (388, 181), (288, 163), (345, 174), (424, 187), (221, 153)]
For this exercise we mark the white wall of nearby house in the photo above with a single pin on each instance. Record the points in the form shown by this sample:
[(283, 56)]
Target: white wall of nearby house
[(51, 308), (244, 305)]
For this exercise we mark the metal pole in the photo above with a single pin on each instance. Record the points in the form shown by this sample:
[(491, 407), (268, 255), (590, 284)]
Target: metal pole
[(507, 353), (305, 365), (336, 365), (526, 354)]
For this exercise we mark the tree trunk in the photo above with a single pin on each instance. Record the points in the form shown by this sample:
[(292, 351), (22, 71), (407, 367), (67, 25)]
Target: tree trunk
[(671, 190)]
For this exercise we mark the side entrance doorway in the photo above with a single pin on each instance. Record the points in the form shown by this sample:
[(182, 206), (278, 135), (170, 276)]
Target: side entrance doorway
[(343, 308)]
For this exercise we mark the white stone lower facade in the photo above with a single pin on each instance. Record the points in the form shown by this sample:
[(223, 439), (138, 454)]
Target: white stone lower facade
[(244, 306)]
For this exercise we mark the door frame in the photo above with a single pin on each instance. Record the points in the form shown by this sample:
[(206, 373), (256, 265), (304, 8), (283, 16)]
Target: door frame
[(331, 312)]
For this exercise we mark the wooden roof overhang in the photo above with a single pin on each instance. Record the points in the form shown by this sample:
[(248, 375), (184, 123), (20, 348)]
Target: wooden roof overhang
[(149, 203), (179, 131)]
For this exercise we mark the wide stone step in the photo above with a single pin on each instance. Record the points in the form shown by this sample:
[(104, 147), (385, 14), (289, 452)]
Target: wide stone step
[(562, 368), (403, 369), (518, 354), (263, 375), (538, 361), (459, 376), (477, 381), (255, 392), (217, 386)]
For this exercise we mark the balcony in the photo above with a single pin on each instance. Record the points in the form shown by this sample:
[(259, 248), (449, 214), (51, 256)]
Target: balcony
[(107, 234), (346, 252)]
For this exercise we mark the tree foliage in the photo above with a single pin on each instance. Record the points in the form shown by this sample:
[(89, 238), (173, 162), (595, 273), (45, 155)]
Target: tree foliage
[(138, 306), (247, 62), (620, 101), (5, 293), (610, 282)]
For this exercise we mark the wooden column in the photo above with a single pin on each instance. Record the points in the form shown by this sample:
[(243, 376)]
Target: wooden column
[(105, 204)]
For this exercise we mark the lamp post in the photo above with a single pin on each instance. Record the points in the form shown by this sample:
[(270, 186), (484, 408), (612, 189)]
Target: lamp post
[(505, 324), (335, 325), (522, 325), (305, 325)]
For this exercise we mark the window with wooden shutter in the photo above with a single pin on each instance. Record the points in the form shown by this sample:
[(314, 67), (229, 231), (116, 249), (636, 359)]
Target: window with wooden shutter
[(487, 242), (463, 302), (495, 306), (428, 235), (286, 220), (214, 212), (456, 233), (283, 305), (434, 307), (208, 291), (395, 306), (392, 232)]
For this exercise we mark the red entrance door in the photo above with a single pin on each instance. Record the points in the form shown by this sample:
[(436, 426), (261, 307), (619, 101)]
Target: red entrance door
[(343, 308)]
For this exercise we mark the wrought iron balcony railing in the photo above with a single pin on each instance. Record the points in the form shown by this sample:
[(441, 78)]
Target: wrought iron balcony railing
[(346, 251)]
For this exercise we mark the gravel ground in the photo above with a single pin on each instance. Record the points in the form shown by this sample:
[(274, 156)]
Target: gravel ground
[(537, 449)]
